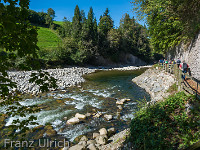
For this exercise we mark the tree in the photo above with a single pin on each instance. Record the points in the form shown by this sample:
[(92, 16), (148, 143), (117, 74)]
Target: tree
[(50, 16), (88, 44), (76, 23), (106, 23), (169, 21), (18, 39)]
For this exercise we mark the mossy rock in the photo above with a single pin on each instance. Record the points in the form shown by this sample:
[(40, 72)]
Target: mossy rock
[(40, 127)]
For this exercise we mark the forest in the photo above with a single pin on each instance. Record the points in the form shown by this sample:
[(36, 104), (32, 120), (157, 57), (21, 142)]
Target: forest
[(84, 39)]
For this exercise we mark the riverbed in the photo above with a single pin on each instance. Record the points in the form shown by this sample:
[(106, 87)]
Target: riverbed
[(98, 94)]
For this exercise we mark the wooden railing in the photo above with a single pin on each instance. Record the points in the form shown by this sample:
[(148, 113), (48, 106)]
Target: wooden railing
[(189, 84)]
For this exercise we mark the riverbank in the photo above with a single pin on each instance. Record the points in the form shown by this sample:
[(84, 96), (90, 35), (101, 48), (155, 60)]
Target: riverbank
[(173, 111), (156, 82), (78, 97), (66, 77)]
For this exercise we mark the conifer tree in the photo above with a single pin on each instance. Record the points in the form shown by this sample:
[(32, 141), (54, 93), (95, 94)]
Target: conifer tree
[(106, 23), (76, 23)]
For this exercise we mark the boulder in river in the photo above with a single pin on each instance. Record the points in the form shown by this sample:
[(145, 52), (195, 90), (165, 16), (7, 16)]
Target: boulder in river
[(80, 116), (111, 131), (73, 120), (95, 135), (103, 131), (102, 139), (108, 117), (97, 115), (77, 147), (92, 147)]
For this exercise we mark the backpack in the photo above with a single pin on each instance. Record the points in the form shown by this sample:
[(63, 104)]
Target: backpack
[(184, 66), (178, 61)]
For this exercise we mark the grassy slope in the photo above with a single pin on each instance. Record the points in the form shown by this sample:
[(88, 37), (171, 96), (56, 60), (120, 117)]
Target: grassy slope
[(58, 22), (47, 38)]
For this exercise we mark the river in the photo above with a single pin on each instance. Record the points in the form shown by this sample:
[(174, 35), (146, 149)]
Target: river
[(98, 94)]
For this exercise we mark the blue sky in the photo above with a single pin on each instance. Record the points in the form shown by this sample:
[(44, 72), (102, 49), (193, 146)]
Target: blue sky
[(65, 8)]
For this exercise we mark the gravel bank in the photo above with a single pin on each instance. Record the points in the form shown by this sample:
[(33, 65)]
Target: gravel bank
[(65, 77)]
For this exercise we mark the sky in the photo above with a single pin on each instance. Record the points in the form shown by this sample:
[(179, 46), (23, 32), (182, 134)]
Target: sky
[(65, 8)]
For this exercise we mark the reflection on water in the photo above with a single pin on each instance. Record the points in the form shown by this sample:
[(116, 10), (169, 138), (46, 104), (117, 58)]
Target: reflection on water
[(98, 94)]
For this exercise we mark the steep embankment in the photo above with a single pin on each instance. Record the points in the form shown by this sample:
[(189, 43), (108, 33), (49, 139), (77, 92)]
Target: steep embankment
[(190, 53), (156, 82)]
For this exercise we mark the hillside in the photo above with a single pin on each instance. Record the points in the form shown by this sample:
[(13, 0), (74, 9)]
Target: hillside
[(60, 23), (47, 38)]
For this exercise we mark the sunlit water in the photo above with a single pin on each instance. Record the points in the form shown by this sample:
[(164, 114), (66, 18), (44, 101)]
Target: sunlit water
[(97, 94)]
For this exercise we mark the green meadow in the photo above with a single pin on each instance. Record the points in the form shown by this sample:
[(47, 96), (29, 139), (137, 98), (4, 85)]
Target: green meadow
[(47, 38)]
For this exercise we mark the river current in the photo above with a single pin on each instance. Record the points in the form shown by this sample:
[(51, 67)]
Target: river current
[(98, 94)]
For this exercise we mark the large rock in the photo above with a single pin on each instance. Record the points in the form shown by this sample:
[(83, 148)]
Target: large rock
[(80, 116), (95, 135), (92, 147), (103, 131), (84, 138), (73, 121), (102, 139), (111, 131), (108, 117), (122, 101), (50, 131), (97, 115), (77, 147), (91, 142)]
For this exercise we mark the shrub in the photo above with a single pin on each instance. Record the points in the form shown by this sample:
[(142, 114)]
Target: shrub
[(165, 125)]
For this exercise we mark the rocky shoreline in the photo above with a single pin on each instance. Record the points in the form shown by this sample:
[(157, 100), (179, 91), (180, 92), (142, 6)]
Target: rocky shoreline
[(106, 138), (156, 82), (65, 77)]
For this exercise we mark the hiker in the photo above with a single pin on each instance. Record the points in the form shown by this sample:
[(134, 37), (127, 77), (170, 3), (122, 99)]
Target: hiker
[(178, 62), (174, 62), (166, 62), (184, 67), (161, 61)]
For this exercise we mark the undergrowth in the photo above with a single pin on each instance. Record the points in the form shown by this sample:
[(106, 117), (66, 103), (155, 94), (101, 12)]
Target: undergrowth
[(166, 124)]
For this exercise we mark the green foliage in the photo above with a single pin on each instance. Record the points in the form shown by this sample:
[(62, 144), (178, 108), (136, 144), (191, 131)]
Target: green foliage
[(18, 40), (169, 21), (134, 38), (84, 40), (105, 23), (37, 17), (173, 88), (166, 125), (49, 17), (76, 23), (47, 38)]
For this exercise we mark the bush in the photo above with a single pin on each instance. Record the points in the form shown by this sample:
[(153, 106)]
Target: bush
[(165, 125)]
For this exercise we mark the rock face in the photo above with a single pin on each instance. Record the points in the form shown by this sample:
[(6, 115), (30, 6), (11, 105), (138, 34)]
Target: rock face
[(190, 53), (155, 82)]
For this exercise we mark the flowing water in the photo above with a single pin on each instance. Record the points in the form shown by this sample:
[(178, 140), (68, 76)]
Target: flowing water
[(97, 94)]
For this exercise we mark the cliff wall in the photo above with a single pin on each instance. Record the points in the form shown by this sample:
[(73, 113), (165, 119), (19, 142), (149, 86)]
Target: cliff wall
[(190, 53)]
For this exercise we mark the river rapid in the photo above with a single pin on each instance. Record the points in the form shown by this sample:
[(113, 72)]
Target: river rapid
[(98, 93)]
